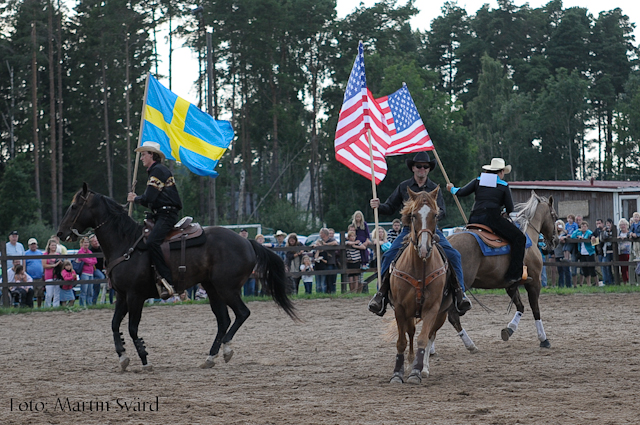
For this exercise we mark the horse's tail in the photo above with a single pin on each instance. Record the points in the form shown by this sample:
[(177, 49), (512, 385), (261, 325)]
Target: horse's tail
[(270, 266)]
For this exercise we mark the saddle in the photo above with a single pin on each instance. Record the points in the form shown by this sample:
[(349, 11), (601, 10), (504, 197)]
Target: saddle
[(486, 234), (185, 234)]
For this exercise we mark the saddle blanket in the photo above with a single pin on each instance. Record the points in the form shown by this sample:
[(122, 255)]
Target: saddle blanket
[(488, 251)]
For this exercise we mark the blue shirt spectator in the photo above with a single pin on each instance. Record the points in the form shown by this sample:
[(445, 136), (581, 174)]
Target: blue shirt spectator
[(34, 267)]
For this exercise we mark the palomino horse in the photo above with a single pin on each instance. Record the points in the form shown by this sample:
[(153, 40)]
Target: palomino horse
[(535, 217), (418, 281), (221, 265)]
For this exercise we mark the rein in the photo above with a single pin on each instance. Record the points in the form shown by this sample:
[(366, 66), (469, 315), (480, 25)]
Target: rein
[(74, 230), (125, 257)]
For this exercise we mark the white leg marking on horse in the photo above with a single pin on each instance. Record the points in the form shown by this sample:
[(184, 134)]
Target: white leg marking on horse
[(209, 362), (432, 350), (425, 362), (515, 321), (542, 336), (227, 352), (468, 343)]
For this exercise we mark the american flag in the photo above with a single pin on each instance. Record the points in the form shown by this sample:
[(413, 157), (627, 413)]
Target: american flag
[(360, 112), (404, 125)]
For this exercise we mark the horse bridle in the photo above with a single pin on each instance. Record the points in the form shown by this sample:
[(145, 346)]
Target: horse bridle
[(72, 227), (554, 217), (415, 242)]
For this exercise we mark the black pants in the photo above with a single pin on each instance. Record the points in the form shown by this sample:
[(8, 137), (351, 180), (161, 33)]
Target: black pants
[(165, 220), (23, 296), (506, 229)]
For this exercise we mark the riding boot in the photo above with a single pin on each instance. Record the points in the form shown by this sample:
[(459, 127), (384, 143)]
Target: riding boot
[(165, 289), (378, 304), (462, 303)]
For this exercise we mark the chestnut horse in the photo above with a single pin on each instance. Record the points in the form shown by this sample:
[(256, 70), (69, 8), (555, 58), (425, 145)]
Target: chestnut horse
[(221, 266), (535, 217), (418, 280)]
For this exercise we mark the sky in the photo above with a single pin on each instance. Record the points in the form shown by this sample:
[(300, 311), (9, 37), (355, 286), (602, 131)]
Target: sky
[(185, 66)]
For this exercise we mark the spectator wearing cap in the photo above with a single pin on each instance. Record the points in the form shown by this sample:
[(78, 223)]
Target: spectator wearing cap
[(34, 268), (244, 233), (14, 247)]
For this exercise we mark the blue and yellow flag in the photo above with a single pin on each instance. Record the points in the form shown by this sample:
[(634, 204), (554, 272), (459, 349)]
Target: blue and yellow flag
[(185, 133)]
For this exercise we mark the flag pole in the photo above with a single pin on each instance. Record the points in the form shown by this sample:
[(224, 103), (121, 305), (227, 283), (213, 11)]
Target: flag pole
[(137, 161), (446, 177), (375, 210)]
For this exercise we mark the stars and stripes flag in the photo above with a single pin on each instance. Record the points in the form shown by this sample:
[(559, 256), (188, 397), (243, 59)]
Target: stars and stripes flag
[(394, 121)]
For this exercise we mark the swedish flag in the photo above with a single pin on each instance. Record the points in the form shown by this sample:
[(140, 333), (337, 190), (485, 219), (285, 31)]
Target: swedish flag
[(184, 132)]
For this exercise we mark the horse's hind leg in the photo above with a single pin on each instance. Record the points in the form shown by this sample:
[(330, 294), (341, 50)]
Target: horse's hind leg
[(118, 315), (454, 319), (219, 309), (514, 293), (534, 298), (135, 314), (242, 313)]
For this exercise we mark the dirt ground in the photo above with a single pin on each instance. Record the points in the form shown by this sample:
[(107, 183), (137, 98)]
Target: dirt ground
[(333, 368)]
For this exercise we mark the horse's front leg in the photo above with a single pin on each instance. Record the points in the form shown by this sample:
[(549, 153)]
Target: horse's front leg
[(533, 292), (428, 321), (221, 312), (514, 293), (454, 319), (135, 314), (118, 315), (401, 345)]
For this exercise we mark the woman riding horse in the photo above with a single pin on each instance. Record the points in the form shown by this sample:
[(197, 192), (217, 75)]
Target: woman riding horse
[(492, 194)]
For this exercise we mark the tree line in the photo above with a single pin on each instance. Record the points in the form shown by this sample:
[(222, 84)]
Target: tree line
[(553, 90)]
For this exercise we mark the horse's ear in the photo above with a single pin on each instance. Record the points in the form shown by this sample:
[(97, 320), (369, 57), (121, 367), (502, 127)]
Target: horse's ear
[(411, 193), (550, 202), (434, 192), (85, 189)]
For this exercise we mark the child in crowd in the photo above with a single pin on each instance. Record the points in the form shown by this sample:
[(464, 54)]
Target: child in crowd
[(396, 227), (66, 291), (307, 279), (586, 252), (354, 258)]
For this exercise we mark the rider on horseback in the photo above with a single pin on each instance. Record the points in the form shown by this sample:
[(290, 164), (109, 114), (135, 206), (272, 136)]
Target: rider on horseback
[(420, 166), (161, 195), (492, 194)]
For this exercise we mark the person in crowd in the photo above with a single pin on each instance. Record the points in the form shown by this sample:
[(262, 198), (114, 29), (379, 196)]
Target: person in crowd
[(379, 238), (362, 235), (596, 241), (634, 232), (52, 292), (307, 279), (624, 248), (244, 233), (14, 248), (570, 248), (608, 232), (35, 270), (325, 260), (420, 166), (86, 290), (60, 248), (23, 293), (98, 272), (396, 227), (354, 249), (162, 197), (293, 260), (564, 274), (250, 287), (67, 297), (542, 246), (586, 252), (280, 243)]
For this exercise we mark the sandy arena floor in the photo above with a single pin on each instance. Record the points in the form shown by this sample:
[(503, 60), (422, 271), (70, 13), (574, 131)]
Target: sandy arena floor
[(333, 368)]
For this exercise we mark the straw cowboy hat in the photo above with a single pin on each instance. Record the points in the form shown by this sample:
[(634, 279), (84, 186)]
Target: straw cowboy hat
[(421, 157), (151, 147), (280, 233), (497, 164)]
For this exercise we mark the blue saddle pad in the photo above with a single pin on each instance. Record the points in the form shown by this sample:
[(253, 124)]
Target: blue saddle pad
[(488, 251)]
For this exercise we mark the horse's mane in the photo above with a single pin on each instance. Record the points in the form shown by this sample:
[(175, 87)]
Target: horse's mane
[(118, 216), (527, 210), (411, 205)]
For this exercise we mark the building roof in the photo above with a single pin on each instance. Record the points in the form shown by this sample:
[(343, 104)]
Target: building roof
[(579, 185)]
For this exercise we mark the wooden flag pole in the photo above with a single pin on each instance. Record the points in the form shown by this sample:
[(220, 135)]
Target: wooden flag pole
[(375, 210), (446, 177), (137, 161)]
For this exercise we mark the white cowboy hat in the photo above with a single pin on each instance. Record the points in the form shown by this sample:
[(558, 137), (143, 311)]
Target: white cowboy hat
[(151, 147), (280, 233), (497, 164)]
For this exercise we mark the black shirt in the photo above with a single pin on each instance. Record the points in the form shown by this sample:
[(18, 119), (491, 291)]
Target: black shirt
[(492, 198), (396, 199), (161, 189)]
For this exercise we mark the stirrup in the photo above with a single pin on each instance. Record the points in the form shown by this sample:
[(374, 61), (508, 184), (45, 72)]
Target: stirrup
[(165, 290), (380, 309)]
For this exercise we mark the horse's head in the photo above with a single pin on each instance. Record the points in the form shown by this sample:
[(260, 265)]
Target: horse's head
[(548, 228), (538, 212), (79, 215), (420, 214)]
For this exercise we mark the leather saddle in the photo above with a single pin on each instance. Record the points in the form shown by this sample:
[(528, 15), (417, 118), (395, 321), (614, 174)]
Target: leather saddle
[(486, 234)]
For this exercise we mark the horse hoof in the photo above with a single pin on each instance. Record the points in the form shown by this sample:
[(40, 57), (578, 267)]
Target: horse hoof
[(147, 367), (545, 344), (208, 363), (396, 379), (473, 349), (415, 378), (124, 363), (227, 353), (425, 373), (506, 333)]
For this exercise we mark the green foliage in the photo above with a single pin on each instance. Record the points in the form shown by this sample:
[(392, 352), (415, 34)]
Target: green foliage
[(18, 206), (282, 215)]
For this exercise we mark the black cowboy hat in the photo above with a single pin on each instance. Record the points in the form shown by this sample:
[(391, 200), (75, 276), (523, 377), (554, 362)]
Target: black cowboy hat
[(421, 157)]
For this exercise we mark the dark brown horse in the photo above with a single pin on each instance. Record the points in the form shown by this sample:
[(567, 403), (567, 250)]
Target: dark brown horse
[(536, 216), (221, 266), (418, 282)]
